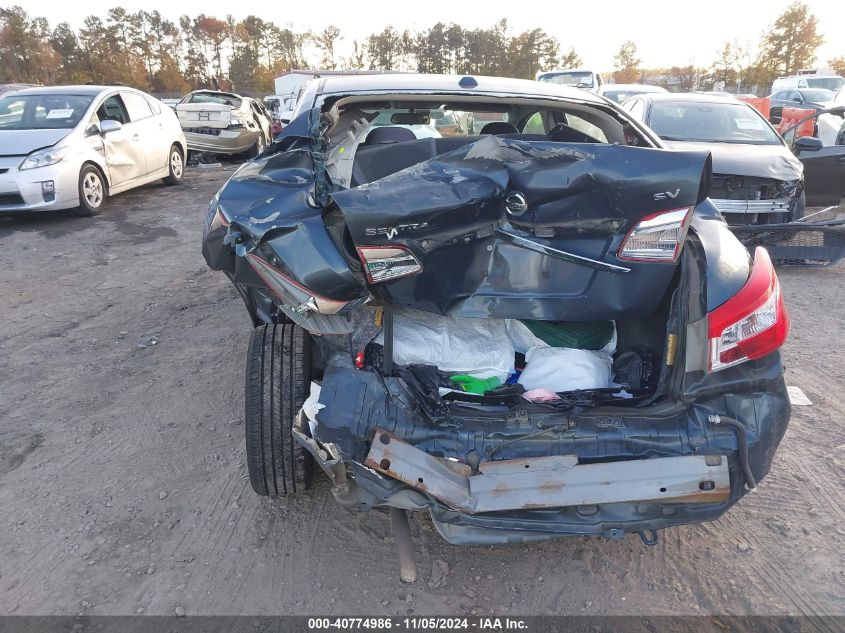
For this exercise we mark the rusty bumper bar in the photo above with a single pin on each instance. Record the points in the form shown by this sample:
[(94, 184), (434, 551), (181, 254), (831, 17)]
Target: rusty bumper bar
[(550, 482)]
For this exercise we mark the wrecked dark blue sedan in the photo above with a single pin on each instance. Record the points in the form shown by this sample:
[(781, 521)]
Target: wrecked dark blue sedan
[(532, 322)]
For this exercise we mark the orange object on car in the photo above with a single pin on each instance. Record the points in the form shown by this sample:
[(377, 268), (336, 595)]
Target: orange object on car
[(761, 104), (791, 116)]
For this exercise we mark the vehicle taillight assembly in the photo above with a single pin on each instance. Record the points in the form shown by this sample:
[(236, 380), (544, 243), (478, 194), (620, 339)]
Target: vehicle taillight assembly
[(295, 295), (382, 263), (218, 220), (752, 323), (657, 237)]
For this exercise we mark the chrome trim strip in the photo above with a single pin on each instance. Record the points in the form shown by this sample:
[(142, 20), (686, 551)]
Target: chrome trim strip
[(522, 242)]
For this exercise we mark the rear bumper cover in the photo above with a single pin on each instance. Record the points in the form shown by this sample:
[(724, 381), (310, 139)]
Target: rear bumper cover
[(604, 473), (227, 142)]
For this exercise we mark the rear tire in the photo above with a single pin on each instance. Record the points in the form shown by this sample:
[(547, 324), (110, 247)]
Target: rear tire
[(93, 191), (278, 377), (176, 166)]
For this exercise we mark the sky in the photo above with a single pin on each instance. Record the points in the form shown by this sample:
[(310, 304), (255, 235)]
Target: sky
[(667, 33)]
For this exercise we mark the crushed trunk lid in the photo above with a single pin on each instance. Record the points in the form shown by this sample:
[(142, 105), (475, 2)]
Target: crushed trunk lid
[(525, 229)]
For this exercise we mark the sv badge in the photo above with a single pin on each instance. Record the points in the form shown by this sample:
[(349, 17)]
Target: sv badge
[(666, 195)]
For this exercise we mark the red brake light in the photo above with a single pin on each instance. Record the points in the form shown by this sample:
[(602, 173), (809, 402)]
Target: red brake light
[(752, 323), (658, 237), (295, 295)]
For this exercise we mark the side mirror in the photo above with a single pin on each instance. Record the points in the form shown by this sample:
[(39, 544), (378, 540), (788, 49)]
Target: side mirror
[(796, 99), (93, 130), (808, 144), (108, 126)]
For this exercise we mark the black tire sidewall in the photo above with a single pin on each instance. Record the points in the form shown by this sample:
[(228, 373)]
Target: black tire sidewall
[(277, 384)]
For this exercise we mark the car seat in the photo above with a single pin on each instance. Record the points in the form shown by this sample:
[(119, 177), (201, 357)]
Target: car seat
[(387, 134), (499, 127)]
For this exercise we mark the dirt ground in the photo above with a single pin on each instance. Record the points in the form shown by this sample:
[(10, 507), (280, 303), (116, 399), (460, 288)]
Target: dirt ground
[(123, 487)]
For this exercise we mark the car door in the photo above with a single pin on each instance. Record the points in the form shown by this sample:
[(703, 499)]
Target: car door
[(260, 118), (125, 159), (149, 129), (824, 175)]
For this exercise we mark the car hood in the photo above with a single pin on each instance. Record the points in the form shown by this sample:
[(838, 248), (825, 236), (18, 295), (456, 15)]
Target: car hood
[(759, 161), (22, 142)]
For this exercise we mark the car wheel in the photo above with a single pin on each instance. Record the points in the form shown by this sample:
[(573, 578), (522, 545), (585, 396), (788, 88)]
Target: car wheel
[(278, 378), (176, 166), (92, 191)]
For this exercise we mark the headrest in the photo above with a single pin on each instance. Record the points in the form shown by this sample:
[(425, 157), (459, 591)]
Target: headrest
[(388, 134), (499, 127)]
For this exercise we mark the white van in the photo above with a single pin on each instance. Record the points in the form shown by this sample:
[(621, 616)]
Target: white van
[(577, 78), (810, 79)]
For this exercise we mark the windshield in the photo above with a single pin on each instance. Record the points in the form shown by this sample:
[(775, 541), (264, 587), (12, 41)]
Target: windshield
[(711, 122), (42, 112), (620, 95), (829, 83), (578, 79), (219, 98), (817, 96)]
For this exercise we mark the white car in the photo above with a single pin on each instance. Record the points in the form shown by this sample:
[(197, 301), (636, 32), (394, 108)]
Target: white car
[(577, 78), (70, 147)]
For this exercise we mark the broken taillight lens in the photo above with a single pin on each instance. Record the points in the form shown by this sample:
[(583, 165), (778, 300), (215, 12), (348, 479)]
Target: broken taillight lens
[(382, 263), (657, 237), (218, 220), (752, 323), (295, 295)]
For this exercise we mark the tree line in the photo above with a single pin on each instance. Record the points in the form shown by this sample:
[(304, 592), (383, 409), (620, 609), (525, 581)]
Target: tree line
[(146, 50)]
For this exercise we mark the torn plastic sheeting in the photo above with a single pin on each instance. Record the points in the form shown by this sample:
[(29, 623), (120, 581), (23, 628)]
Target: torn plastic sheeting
[(311, 407), (477, 347), (560, 369)]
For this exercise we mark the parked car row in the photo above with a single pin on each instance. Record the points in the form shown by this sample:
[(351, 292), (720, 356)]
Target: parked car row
[(71, 147)]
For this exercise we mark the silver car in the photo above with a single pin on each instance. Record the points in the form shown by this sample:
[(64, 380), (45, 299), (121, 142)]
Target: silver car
[(224, 123), (70, 147)]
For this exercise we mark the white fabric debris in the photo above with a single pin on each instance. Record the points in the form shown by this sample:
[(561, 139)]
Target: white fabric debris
[(610, 348), (476, 347), (521, 337), (311, 407), (564, 369)]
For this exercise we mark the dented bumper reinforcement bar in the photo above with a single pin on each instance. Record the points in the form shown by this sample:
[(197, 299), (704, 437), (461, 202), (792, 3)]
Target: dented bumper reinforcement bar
[(550, 482)]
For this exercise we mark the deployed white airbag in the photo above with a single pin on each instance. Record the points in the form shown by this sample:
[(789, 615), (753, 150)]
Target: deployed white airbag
[(564, 369)]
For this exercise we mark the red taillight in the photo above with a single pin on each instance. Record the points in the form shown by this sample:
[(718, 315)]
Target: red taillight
[(383, 263), (297, 296), (658, 237), (752, 323)]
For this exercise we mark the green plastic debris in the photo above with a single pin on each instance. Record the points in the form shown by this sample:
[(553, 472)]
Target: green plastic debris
[(574, 334), (471, 384)]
